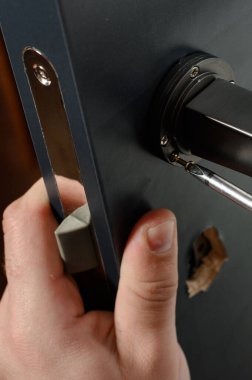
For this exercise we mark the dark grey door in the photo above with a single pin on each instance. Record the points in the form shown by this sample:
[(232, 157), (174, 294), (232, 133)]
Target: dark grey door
[(119, 52)]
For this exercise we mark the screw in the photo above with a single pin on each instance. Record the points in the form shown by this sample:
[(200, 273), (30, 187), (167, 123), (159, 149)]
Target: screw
[(41, 75), (164, 141), (194, 72), (175, 158)]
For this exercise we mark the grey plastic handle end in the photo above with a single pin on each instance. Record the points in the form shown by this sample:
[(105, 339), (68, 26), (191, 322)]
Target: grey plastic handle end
[(76, 242)]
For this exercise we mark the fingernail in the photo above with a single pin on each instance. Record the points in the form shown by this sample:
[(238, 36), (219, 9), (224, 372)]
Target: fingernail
[(160, 238)]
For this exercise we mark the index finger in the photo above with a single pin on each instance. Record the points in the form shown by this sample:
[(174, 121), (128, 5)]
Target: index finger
[(31, 252)]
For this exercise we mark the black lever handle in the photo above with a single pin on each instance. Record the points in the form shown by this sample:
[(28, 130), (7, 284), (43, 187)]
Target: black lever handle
[(201, 112), (217, 126)]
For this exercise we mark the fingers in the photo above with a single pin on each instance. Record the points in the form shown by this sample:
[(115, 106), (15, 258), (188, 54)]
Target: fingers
[(31, 253), (146, 299), (72, 194)]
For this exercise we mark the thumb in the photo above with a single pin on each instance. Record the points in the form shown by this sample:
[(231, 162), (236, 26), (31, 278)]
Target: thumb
[(146, 298)]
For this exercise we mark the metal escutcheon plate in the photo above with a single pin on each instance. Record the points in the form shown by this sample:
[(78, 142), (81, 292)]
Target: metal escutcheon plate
[(183, 82)]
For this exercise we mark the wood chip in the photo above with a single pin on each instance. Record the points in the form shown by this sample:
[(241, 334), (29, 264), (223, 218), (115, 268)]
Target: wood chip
[(209, 256)]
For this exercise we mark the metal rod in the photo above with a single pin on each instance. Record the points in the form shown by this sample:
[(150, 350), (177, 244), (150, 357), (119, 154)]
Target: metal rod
[(222, 186), (216, 182)]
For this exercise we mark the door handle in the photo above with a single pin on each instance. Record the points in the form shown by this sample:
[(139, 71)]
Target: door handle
[(201, 112)]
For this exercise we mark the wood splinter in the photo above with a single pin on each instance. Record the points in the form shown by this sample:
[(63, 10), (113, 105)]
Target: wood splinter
[(209, 255)]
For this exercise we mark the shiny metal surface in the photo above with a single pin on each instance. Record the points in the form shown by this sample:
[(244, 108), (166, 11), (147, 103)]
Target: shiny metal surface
[(41, 75), (190, 76), (218, 126), (215, 182), (221, 185), (48, 99)]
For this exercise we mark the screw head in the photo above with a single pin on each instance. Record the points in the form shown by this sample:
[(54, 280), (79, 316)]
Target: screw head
[(41, 75), (164, 141), (194, 72), (174, 157)]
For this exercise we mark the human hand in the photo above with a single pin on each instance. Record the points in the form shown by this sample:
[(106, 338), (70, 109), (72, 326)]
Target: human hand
[(44, 331)]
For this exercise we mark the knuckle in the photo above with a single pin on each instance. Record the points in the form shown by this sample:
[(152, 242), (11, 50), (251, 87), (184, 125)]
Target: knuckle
[(34, 208), (23, 211), (156, 292)]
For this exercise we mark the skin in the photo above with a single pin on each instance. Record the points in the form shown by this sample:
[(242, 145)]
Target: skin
[(44, 330)]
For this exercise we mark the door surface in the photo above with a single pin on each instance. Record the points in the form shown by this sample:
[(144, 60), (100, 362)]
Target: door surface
[(119, 52)]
